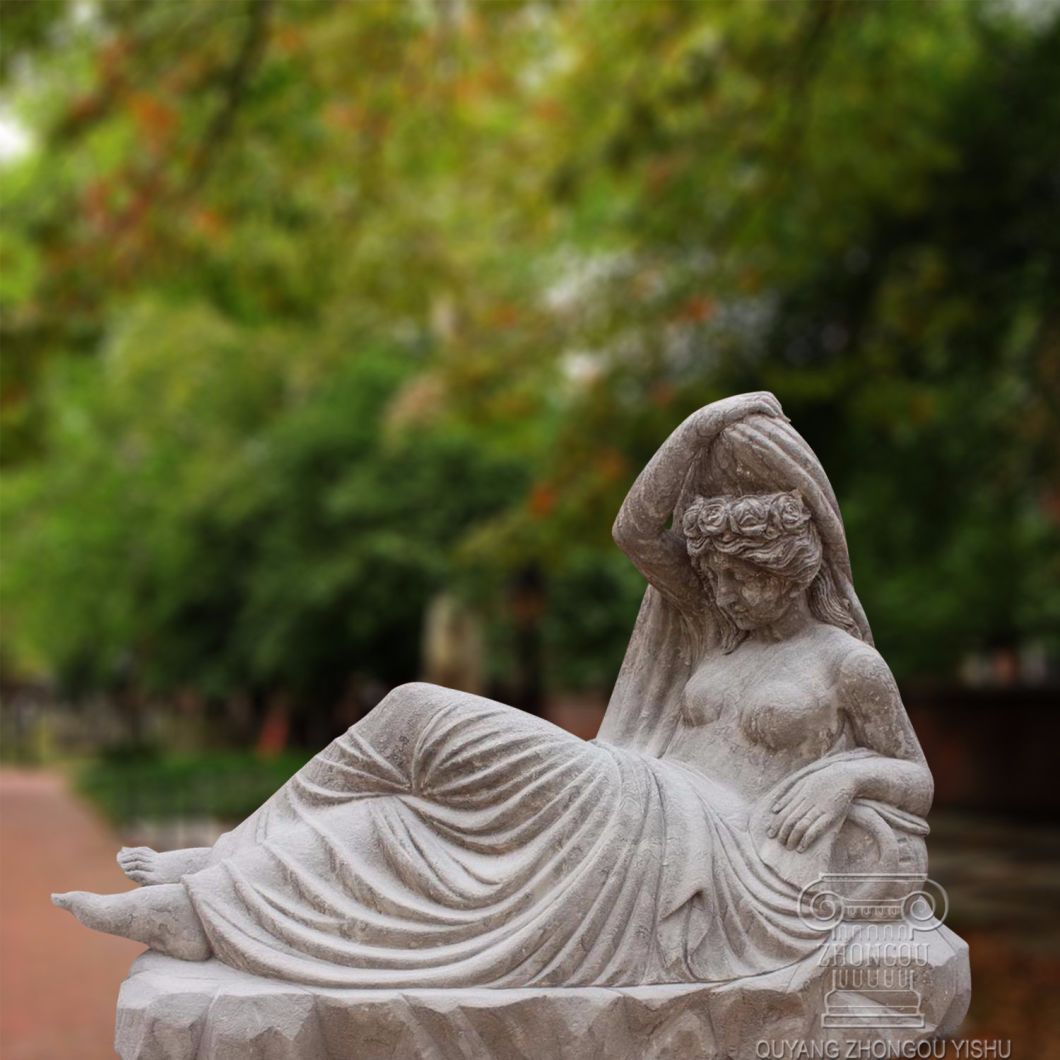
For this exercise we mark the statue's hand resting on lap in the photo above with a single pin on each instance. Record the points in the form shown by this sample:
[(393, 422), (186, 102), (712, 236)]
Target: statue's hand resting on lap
[(811, 806), (148, 867)]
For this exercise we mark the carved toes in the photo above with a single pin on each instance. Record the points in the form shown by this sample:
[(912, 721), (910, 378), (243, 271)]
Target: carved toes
[(140, 864)]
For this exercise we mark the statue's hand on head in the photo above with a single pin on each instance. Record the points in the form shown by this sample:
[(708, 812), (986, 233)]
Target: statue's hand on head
[(709, 421)]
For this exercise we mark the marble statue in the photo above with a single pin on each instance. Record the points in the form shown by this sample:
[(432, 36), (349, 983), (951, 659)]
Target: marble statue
[(755, 743)]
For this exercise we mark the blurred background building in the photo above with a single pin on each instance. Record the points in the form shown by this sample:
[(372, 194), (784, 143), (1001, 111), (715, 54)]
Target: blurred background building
[(334, 333)]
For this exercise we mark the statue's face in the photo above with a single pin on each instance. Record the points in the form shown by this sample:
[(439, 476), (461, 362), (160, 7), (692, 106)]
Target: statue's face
[(750, 596)]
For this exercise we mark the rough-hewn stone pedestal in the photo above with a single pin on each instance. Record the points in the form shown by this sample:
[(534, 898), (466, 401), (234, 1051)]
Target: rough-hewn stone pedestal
[(175, 1010)]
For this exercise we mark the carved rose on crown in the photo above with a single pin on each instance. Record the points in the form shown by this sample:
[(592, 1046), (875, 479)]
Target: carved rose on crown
[(749, 517), (789, 512), (710, 517)]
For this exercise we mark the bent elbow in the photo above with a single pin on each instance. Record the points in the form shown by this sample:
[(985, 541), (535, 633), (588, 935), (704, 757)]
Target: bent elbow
[(622, 533), (927, 793)]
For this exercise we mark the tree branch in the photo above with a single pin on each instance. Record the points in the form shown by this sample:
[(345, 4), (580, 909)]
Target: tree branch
[(248, 57)]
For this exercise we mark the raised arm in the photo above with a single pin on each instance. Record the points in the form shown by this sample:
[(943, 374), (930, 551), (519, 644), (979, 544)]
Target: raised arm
[(640, 528)]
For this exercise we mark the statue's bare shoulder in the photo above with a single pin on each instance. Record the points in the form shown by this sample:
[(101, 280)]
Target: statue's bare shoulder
[(860, 671)]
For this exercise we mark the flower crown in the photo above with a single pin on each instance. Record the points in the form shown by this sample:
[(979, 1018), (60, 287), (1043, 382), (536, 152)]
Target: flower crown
[(761, 517)]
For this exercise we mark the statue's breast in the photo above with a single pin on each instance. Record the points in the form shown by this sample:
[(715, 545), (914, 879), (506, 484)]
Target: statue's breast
[(705, 698), (771, 706), (783, 715)]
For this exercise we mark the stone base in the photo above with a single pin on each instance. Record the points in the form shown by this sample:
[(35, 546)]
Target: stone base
[(177, 1010)]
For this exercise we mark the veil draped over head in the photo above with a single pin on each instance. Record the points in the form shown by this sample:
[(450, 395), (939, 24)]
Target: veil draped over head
[(758, 454)]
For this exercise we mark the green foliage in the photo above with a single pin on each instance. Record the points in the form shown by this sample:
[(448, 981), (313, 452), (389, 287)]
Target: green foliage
[(211, 521), (223, 785), (593, 605), (312, 309)]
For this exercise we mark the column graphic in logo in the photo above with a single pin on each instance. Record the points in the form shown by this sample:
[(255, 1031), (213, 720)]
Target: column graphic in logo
[(877, 946)]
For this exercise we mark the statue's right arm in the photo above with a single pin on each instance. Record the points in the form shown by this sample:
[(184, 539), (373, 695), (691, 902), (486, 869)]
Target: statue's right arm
[(641, 529)]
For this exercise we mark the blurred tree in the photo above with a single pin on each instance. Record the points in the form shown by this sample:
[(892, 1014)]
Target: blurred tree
[(311, 308), (855, 218)]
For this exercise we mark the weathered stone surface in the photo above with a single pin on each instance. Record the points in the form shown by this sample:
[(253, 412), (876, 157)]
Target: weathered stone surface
[(452, 877), (175, 1010)]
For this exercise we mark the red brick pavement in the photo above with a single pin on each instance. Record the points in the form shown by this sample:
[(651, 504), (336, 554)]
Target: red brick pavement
[(58, 981)]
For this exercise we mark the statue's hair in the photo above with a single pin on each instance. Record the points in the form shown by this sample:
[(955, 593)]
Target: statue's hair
[(772, 531)]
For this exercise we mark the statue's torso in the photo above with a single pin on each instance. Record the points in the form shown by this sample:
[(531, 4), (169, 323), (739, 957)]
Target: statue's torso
[(753, 717)]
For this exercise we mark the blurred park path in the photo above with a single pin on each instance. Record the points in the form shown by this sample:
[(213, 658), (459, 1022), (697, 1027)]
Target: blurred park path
[(58, 981)]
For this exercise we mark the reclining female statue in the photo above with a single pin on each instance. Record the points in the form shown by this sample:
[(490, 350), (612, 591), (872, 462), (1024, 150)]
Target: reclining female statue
[(754, 742)]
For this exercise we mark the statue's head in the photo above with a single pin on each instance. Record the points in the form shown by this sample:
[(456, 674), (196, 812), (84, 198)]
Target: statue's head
[(757, 555)]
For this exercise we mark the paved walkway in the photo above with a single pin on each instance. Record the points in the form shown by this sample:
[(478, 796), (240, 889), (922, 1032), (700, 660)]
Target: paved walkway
[(58, 981)]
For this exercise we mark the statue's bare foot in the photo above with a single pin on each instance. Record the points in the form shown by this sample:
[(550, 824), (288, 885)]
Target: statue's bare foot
[(149, 868), (95, 911), (162, 918)]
